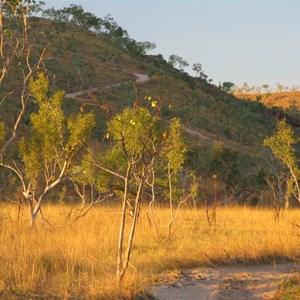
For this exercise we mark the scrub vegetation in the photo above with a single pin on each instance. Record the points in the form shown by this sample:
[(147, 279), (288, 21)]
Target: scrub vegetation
[(128, 166)]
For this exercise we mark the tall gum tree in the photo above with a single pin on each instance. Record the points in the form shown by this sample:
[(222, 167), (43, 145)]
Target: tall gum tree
[(133, 135), (174, 151)]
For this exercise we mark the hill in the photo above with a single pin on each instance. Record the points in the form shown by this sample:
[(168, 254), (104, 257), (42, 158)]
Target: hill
[(99, 71), (118, 191), (88, 60)]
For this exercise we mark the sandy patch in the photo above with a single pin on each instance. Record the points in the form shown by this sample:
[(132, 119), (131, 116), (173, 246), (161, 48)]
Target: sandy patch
[(226, 283)]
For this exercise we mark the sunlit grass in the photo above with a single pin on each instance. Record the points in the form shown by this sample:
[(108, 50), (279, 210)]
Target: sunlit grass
[(279, 99), (80, 259)]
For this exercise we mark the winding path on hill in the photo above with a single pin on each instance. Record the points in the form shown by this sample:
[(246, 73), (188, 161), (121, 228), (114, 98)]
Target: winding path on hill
[(227, 283), (192, 132), (142, 78)]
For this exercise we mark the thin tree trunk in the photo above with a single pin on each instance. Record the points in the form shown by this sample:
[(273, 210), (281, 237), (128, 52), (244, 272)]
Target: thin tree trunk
[(1, 32), (132, 231), (286, 203), (151, 207), (171, 202), (122, 226), (33, 218), (33, 211), (194, 204), (151, 204)]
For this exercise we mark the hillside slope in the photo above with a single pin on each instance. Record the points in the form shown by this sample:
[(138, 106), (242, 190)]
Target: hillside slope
[(98, 74), (88, 61)]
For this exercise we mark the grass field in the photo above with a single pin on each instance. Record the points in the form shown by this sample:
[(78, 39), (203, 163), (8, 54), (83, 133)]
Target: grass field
[(78, 261), (284, 100)]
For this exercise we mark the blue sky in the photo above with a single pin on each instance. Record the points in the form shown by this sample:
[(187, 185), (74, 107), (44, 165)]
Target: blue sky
[(240, 41)]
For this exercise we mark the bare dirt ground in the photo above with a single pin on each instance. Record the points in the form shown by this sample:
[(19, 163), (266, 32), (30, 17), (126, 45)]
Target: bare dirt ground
[(140, 78), (226, 283)]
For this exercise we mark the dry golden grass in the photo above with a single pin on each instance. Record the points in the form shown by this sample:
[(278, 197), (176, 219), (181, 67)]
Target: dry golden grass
[(279, 99), (79, 260)]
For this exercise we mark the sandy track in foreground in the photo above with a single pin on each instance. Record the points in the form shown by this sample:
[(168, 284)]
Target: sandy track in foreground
[(225, 283)]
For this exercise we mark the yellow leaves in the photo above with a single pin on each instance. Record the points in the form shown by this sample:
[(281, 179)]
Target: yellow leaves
[(153, 103), (107, 135), (39, 88), (133, 131), (165, 135)]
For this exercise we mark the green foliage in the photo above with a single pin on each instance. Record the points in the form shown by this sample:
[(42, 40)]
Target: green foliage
[(53, 137), (281, 144), (228, 86), (48, 123), (74, 14), (225, 164), (199, 71), (289, 289), (133, 132), (80, 128), (16, 7), (174, 149), (89, 175), (178, 61), (185, 97), (32, 158)]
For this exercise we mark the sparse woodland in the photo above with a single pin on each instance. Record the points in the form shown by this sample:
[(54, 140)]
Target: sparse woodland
[(104, 193)]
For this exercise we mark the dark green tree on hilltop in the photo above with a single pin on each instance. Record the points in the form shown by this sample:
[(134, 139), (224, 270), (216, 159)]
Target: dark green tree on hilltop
[(177, 62)]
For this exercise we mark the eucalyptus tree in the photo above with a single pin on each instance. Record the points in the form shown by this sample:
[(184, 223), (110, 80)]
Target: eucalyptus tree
[(21, 57), (174, 152), (20, 60), (197, 68), (133, 135), (282, 144), (91, 186), (49, 152), (177, 61)]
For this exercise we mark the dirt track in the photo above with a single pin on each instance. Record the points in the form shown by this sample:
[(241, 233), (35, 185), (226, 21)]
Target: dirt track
[(228, 283), (141, 78)]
